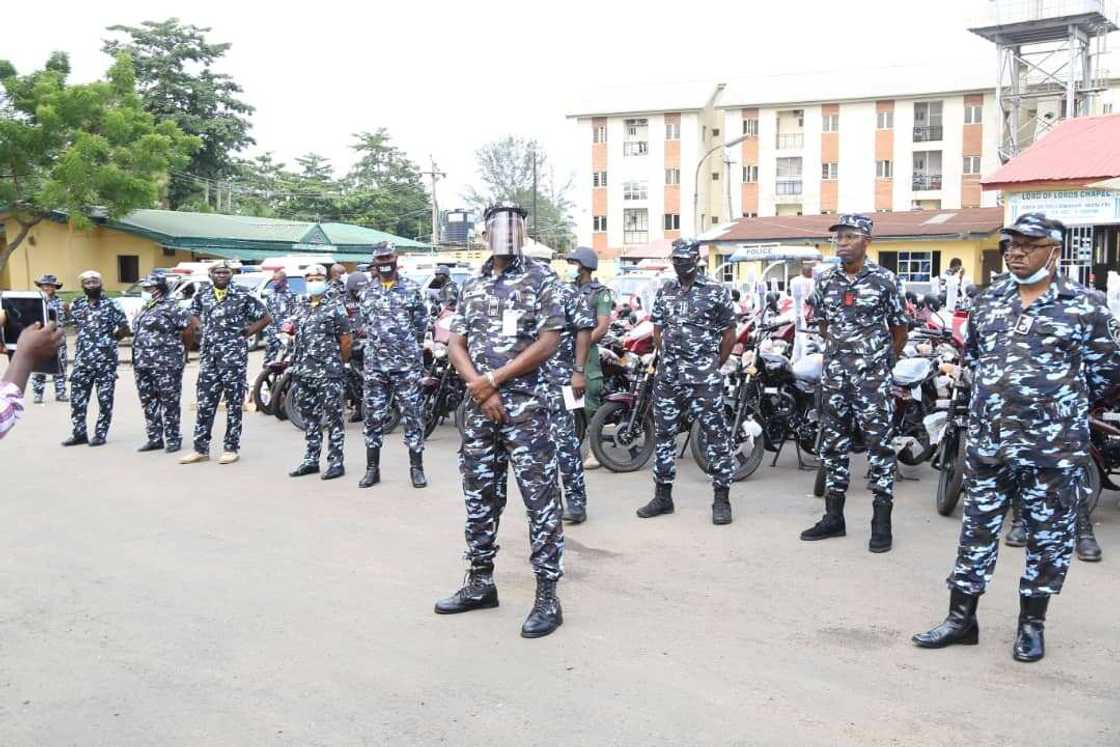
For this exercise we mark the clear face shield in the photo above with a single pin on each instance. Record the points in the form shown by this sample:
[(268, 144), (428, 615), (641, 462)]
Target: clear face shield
[(505, 233)]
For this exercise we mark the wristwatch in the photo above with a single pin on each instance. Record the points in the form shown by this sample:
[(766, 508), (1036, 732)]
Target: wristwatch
[(577, 368)]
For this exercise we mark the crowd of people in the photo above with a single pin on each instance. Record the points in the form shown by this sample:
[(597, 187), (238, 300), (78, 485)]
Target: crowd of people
[(1039, 350)]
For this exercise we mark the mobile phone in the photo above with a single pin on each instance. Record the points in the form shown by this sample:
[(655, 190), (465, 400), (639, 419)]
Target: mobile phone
[(24, 309)]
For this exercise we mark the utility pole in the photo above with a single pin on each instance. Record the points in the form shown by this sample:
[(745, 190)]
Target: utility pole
[(436, 175), (534, 232)]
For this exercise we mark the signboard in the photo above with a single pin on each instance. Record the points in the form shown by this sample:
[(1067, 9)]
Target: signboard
[(773, 253), (325, 248), (1078, 207)]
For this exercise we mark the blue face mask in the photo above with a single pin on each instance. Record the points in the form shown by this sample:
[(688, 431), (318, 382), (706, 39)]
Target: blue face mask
[(316, 287), (1042, 274)]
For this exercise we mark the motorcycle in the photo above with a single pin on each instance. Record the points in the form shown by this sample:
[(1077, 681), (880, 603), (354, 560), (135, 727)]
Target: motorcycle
[(267, 378), (740, 405), (443, 390), (949, 459)]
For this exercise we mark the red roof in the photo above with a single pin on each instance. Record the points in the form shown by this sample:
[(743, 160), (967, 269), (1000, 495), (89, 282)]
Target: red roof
[(1076, 149), (910, 223)]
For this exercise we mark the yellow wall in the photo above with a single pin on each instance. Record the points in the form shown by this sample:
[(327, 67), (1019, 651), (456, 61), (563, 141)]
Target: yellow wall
[(65, 252)]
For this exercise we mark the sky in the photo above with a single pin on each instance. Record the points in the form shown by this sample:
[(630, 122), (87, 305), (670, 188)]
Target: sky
[(446, 78)]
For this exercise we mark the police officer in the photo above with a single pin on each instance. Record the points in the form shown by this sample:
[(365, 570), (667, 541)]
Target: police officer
[(100, 323), (1040, 350), (319, 355), (280, 304), (441, 284), (336, 287), (158, 358), (50, 285), (395, 319), (584, 263), (694, 332), (356, 284), (863, 323), (508, 325), (229, 316)]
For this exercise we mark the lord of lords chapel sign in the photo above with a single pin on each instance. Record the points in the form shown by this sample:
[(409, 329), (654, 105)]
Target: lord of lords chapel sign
[(1076, 207)]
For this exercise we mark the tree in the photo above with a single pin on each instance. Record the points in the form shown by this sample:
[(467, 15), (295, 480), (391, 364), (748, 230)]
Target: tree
[(177, 83), (86, 150), (505, 168), (384, 189)]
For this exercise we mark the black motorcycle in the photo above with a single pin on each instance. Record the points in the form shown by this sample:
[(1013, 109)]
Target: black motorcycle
[(949, 458), (740, 408), (443, 390), (621, 432), (269, 375)]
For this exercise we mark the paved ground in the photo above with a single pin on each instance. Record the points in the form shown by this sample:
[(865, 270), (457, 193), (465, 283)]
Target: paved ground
[(144, 602)]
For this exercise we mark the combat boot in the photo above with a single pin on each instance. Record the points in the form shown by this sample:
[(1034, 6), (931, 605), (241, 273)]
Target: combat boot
[(1029, 643), (881, 538), (307, 467), (959, 627), (831, 524), (62, 398), (546, 615), (1087, 548), (478, 593), (1017, 532), (662, 502), (373, 468), (721, 507), (151, 446), (76, 440), (416, 469), (97, 440), (37, 399), (575, 514), (334, 471)]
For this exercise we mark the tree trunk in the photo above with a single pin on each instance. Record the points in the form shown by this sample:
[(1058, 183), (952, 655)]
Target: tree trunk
[(24, 229)]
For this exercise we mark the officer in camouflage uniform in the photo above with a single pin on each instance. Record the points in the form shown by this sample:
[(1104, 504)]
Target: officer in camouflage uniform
[(441, 286), (319, 353), (336, 286), (280, 304), (395, 320), (585, 262), (100, 323), (508, 325), (158, 358), (863, 323), (229, 317), (1040, 349), (50, 286), (694, 332)]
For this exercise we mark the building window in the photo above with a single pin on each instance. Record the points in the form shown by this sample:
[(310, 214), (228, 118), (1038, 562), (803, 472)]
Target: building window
[(727, 274), (750, 173), (1107, 109), (672, 130), (885, 120), (128, 268), (829, 171), (599, 224), (750, 215), (715, 132), (831, 122), (914, 266), (884, 169), (599, 134), (635, 226), (167, 252), (672, 176), (972, 164), (750, 127), (973, 114), (635, 149), (715, 220), (927, 121), (637, 137), (927, 170), (635, 190), (715, 176), (599, 179), (788, 177), (672, 221)]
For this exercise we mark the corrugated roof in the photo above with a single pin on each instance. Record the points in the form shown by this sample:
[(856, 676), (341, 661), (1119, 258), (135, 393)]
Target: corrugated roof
[(1082, 148), (902, 224), (645, 99)]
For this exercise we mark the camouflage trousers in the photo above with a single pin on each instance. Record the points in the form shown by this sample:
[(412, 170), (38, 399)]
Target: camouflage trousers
[(671, 400), (1049, 499), (82, 381), (272, 347), (160, 391), (405, 385), (484, 458), (857, 401), (39, 380), (320, 405), (568, 458), (214, 384)]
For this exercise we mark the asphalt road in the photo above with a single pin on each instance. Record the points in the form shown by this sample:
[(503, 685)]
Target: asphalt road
[(144, 602)]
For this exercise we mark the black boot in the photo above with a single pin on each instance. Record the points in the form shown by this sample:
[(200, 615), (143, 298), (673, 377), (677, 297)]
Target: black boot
[(1029, 644), (546, 615), (76, 440), (1017, 532), (478, 593), (97, 440), (721, 507), (306, 467), (1087, 548), (373, 468), (416, 469), (334, 471), (959, 627), (151, 446), (662, 502), (881, 538), (575, 514), (831, 524)]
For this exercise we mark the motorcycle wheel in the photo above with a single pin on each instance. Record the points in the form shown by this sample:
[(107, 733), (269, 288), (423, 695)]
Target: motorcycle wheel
[(819, 483), (262, 391), (615, 456), (1094, 475), (951, 461), (433, 404), (279, 402), (461, 418), (294, 415), (746, 457)]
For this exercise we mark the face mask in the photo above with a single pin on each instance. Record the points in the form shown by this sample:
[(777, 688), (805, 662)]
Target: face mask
[(94, 292), (1042, 273), (685, 270), (316, 287), (386, 268)]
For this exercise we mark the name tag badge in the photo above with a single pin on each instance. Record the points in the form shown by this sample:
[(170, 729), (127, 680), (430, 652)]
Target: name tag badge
[(1023, 324), (849, 298), (509, 322)]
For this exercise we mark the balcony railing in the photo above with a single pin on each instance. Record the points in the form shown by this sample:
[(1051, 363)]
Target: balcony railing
[(793, 141), (635, 148), (927, 133), (787, 187), (926, 182)]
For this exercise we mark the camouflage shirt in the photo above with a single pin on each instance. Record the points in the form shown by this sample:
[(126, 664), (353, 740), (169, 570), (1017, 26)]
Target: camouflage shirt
[(222, 344), (860, 312), (336, 290), (692, 322), (577, 316), (97, 325), (281, 305), (395, 321), (1036, 370), (501, 315), (316, 352), (157, 340)]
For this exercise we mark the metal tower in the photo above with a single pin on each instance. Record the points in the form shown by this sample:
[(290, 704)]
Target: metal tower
[(1049, 55)]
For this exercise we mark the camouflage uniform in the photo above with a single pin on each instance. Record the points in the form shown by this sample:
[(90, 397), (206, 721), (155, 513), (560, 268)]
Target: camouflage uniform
[(395, 321), (559, 368), (319, 371), (336, 290), (223, 359), (158, 357), (95, 361), (521, 300), (856, 380), (1034, 372), (280, 305), (39, 381), (598, 298), (692, 323)]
